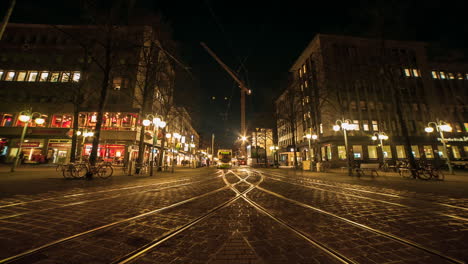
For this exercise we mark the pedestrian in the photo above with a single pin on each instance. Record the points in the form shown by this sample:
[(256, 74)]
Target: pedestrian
[(21, 157)]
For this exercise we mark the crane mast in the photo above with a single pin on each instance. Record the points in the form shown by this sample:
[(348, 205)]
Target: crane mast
[(243, 88)]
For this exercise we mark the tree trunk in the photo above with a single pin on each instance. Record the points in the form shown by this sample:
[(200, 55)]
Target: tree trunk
[(76, 115), (162, 151)]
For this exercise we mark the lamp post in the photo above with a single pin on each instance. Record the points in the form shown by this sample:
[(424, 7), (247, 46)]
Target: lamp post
[(26, 117), (441, 127), (84, 134), (274, 149), (157, 123), (345, 125), (314, 137), (176, 137), (381, 136)]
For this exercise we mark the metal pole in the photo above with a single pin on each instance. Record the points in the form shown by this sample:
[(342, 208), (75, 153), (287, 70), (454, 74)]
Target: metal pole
[(350, 171), (15, 163), (445, 149), (212, 148), (310, 156), (155, 135)]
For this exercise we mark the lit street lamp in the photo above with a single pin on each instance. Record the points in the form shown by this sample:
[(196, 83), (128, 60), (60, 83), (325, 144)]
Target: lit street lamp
[(380, 136), (345, 125), (314, 137), (26, 117), (441, 127), (157, 123)]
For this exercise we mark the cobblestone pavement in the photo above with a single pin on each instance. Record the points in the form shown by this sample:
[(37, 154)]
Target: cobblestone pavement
[(200, 216)]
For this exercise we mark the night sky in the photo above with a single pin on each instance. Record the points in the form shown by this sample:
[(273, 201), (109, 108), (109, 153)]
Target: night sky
[(267, 36)]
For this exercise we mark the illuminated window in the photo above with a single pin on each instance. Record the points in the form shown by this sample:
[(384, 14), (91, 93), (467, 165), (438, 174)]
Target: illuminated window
[(401, 154), (375, 125), (442, 75), (363, 105), (441, 152), (372, 151), (341, 152), (321, 128), (467, 76), (353, 105), (21, 76), (459, 76), (451, 75), (43, 76), (76, 76), (428, 152), (54, 77), (65, 77), (387, 152), (329, 153), (1, 74), (365, 125), (64, 121), (465, 148), (434, 75), (357, 151), (10, 76), (302, 87), (304, 68), (416, 73), (300, 72), (456, 152), (6, 120), (415, 150), (356, 122), (117, 83), (32, 76), (407, 72), (466, 126), (458, 128)]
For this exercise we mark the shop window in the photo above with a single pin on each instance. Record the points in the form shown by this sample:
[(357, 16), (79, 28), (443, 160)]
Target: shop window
[(401, 154), (435, 75), (76, 76), (32, 76), (21, 76), (428, 152), (43, 77), (341, 152), (323, 151), (456, 152), (365, 125), (329, 153), (54, 77), (415, 151), (375, 125), (10, 76), (65, 77), (63, 121), (6, 120), (357, 152), (387, 152), (441, 152), (372, 151)]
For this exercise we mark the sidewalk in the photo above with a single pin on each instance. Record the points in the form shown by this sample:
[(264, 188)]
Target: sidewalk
[(34, 179)]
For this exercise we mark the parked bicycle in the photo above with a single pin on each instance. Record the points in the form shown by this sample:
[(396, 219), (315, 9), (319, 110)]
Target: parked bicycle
[(103, 170), (424, 171), (68, 171)]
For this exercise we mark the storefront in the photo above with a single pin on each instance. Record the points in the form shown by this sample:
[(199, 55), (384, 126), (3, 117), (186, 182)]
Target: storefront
[(108, 152), (59, 150), (32, 151)]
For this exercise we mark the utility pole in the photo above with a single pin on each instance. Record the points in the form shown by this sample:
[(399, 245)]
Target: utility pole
[(7, 17), (242, 86), (212, 147)]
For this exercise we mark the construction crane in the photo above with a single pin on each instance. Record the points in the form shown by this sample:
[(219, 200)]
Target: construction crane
[(243, 88)]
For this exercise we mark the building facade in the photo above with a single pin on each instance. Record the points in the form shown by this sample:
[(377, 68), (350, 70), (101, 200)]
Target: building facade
[(44, 69), (378, 87)]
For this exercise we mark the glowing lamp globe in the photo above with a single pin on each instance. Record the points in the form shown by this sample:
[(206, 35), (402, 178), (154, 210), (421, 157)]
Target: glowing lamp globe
[(24, 118), (146, 122), (429, 129)]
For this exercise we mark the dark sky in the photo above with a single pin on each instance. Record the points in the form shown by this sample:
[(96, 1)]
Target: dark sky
[(267, 36)]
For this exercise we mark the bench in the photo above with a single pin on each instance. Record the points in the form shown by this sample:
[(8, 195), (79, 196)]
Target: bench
[(363, 167)]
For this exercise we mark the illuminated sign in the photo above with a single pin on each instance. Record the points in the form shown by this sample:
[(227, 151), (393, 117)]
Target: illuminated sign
[(461, 139)]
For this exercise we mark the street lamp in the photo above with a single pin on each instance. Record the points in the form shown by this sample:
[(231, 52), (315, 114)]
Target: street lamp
[(380, 136), (274, 149), (441, 127), (314, 137), (157, 123), (26, 117), (345, 125)]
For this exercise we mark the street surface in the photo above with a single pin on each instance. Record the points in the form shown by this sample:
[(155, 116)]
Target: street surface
[(242, 215)]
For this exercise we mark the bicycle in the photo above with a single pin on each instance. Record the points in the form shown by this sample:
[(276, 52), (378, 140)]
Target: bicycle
[(68, 171), (103, 170), (427, 172)]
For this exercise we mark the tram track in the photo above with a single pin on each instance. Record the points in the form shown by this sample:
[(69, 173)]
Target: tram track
[(411, 199), (362, 226), (18, 257), (104, 198)]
